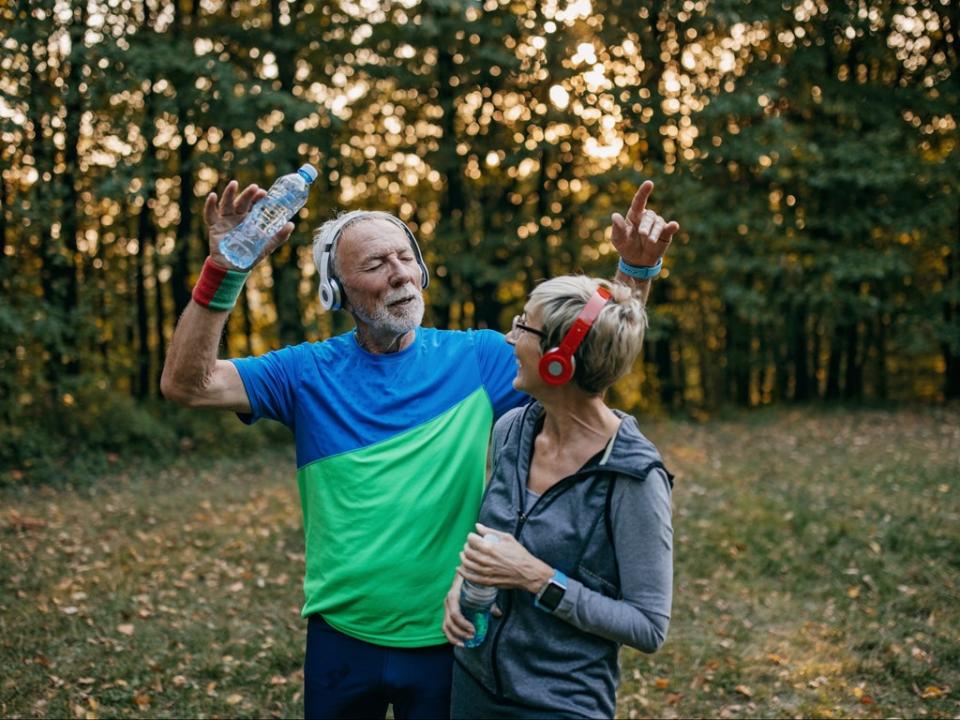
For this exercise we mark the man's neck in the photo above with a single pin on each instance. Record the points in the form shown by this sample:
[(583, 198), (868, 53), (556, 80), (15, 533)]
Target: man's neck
[(383, 343)]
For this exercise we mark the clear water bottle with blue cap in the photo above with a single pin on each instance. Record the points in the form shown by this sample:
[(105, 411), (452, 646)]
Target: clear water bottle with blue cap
[(243, 245), (476, 604)]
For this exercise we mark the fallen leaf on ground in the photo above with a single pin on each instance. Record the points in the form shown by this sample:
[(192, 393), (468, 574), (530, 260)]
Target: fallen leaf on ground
[(744, 690), (125, 629)]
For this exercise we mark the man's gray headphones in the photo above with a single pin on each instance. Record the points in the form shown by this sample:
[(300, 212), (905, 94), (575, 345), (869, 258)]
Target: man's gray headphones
[(325, 248)]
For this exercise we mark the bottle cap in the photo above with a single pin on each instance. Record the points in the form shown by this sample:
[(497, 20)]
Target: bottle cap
[(308, 171)]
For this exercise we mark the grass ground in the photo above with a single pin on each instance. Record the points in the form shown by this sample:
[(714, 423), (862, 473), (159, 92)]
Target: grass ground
[(817, 575)]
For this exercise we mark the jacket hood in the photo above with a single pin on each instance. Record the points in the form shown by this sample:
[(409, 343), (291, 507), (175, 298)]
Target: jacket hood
[(628, 454)]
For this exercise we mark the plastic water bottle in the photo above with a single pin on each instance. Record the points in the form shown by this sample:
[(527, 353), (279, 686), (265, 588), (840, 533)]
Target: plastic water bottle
[(476, 602), (243, 245)]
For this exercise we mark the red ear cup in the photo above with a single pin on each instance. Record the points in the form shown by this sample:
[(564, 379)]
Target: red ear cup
[(557, 364), (556, 368)]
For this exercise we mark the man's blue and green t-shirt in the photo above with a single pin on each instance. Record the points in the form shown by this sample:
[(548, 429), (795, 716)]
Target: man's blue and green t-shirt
[(391, 453)]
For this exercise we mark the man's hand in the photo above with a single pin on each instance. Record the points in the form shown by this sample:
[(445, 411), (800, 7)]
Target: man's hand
[(223, 216), (642, 237)]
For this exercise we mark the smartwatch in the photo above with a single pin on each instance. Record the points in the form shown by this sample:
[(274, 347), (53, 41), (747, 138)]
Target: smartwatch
[(552, 593)]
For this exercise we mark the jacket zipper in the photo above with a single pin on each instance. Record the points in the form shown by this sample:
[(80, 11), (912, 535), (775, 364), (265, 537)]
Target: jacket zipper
[(522, 518)]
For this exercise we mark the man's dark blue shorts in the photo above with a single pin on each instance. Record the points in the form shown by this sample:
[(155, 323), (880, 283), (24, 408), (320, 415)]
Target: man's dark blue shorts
[(348, 678)]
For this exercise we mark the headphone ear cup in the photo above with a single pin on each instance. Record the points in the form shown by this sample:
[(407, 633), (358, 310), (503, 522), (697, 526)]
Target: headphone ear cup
[(556, 368), (330, 295)]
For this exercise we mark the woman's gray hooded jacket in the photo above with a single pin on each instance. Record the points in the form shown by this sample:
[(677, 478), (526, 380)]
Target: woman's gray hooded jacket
[(608, 528)]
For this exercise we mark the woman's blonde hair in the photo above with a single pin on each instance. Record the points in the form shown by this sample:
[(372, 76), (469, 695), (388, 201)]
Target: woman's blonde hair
[(615, 338)]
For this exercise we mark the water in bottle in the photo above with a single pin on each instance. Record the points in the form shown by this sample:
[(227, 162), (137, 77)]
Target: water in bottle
[(243, 245), (476, 602)]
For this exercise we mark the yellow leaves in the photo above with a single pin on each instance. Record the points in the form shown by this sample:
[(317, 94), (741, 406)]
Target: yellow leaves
[(86, 713), (744, 690), (861, 695), (661, 683), (234, 699), (853, 592), (932, 692), (141, 700), (777, 659)]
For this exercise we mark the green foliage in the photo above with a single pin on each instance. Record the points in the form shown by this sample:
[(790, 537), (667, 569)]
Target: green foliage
[(809, 152), (95, 429)]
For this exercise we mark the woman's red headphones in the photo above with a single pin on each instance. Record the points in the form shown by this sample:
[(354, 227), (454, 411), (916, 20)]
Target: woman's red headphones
[(557, 364)]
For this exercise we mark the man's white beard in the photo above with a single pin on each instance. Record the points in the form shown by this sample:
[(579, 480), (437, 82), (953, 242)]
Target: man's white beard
[(399, 320)]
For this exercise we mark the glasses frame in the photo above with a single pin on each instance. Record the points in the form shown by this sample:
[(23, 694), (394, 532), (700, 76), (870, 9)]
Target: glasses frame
[(517, 325)]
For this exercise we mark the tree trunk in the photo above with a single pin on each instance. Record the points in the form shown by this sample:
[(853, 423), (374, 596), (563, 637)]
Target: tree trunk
[(247, 320), (70, 199), (799, 349), (832, 391), (143, 332), (452, 203), (284, 263), (853, 380), (146, 230), (180, 263), (951, 317)]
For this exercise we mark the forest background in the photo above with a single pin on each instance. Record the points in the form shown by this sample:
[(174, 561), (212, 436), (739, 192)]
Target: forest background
[(800, 375), (808, 149)]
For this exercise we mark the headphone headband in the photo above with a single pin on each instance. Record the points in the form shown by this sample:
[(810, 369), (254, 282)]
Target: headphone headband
[(331, 289), (558, 364)]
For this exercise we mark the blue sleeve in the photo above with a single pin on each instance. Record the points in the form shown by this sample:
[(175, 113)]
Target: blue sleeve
[(498, 368), (271, 381)]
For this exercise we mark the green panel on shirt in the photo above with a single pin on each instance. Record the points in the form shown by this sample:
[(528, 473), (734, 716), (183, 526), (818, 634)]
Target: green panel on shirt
[(393, 516)]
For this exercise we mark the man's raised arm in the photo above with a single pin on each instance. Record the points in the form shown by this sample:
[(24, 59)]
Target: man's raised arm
[(192, 374), (641, 238)]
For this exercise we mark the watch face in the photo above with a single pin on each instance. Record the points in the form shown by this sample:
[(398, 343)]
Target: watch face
[(552, 596)]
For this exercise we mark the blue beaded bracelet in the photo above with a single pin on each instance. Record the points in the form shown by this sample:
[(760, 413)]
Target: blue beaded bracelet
[(640, 272)]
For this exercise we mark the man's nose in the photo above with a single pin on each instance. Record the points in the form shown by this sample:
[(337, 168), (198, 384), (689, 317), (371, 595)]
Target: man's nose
[(402, 273)]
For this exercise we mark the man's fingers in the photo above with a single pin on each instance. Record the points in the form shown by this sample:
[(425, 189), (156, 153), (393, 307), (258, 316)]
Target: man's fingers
[(248, 197), (229, 193), (210, 212), (279, 239), (639, 203)]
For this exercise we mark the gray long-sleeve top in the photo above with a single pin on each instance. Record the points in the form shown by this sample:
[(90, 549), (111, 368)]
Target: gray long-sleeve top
[(608, 528)]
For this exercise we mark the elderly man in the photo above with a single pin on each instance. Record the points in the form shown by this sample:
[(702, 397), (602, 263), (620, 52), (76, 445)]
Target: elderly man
[(391, 422)]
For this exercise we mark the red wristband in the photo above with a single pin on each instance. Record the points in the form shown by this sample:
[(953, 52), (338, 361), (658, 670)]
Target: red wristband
[(218, 288)]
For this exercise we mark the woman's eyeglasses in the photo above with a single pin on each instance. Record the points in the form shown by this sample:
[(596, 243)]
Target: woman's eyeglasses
[(518, 325)]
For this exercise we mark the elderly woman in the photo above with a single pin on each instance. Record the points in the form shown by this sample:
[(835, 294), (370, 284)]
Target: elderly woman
[(580, 502)]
